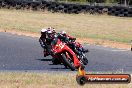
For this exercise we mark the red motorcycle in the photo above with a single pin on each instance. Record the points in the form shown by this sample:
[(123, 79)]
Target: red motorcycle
[(65, 55)]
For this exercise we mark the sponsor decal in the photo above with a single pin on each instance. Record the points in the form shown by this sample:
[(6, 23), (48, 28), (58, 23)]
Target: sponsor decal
[(83, 78)]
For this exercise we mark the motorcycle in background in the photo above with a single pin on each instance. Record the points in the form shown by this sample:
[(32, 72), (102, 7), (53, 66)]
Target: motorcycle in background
[(78, 49)]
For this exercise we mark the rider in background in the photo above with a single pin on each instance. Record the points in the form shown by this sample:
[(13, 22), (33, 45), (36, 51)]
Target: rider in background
[(70, 40), (42, 39), (65, 37), (47, 40)]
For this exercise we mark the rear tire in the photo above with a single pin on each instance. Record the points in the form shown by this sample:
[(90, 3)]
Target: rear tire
[(67, 62)]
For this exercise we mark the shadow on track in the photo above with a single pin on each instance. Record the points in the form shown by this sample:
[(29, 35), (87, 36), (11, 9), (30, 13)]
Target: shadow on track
[(54, 67), (44, 59), (61, 69)]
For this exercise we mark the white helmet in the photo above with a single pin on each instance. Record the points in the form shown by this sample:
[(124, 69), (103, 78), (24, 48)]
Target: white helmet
[(43, 30), (49, 31), (63, 32)]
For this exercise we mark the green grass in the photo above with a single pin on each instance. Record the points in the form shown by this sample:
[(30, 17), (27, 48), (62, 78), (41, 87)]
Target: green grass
[(79, 25)]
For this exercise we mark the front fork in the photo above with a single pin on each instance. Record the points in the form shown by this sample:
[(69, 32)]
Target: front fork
[(76, 61)]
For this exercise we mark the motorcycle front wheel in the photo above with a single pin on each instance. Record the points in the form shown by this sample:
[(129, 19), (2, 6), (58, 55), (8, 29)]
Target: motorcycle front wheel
[(68, 62), (84, 60)]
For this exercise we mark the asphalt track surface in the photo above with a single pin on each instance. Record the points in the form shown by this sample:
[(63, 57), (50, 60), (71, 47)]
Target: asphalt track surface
[(22, 53)]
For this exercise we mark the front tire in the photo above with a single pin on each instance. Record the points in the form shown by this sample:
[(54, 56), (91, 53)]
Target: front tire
[(85, 60), (55, 61), (67, 62)]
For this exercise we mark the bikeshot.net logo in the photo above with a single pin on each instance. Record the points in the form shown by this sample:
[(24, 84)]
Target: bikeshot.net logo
[(103, 78)]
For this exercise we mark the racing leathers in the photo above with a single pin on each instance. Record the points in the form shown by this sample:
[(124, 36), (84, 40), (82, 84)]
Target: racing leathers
[(70, 41), (47, 41)]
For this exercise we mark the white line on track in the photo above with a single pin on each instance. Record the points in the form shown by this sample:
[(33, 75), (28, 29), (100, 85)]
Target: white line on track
[(119, 50), (107, 48)]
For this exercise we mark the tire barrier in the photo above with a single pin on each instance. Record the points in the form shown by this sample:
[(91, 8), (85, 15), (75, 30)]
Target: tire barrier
[(120, 11), (68, 8)]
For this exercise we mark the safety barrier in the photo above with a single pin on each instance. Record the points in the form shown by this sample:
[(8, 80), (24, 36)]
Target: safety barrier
[(52, 6), (120, 11)]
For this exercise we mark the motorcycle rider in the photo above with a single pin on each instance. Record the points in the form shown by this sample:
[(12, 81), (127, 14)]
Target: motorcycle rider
[(48, 34), (42, 38), (70, 40), (65, 37), (46, 40)]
